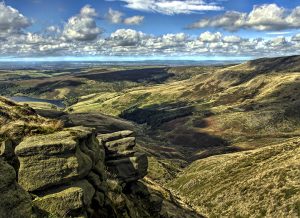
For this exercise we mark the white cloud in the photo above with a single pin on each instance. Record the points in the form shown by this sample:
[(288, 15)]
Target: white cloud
[(82, 27), (210, 37), (267, 17), (135, 20), (11, 21), (81, 36), (171, 7), (88, 11), (126, 37), (231, 21), (127, 42), (232, 39), (53, 29), (296, 37), (116, 17), (279, 33)]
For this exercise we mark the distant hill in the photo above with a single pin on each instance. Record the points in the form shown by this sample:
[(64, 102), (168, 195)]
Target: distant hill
[(259, 183)]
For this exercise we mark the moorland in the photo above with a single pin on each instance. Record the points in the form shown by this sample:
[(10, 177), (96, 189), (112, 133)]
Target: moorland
[(225, 140)]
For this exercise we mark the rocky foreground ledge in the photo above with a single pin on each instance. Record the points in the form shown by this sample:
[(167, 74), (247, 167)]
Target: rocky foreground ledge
[(77, 173)]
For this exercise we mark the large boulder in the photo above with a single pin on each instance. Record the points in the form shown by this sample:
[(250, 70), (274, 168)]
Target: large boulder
[(58, 158), (122, 161), (15, 202), (65, 201), (129, 169), (120, 147), (115, 136)]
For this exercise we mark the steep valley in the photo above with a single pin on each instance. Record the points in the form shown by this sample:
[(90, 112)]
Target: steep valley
[(220, 141)]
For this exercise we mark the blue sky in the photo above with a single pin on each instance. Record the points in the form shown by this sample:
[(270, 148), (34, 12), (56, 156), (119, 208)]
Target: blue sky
[(149, 27)]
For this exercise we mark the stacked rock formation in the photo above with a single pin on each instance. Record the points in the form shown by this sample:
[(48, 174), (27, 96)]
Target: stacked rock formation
[(65, 171), (65, 174), (122, 160), (74, 173)]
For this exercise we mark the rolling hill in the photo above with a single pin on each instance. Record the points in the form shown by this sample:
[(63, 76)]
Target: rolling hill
[(224, 139)]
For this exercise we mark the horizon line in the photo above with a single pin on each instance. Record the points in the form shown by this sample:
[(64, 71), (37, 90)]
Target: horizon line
[(122, 58)]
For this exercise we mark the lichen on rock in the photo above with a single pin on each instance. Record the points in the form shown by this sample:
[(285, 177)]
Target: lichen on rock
[(15, 201)]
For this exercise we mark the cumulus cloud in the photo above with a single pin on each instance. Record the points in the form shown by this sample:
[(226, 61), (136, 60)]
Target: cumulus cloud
[(116, 17), (127, 42), (11, 21), (53, 29), (210, 37), (126, 37), (81, 36), (267, 17), (296, 37), (82, 27), (170, 7), (232, 39), (135, 20)]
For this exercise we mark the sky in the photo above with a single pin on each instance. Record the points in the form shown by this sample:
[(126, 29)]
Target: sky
[(148, 29)]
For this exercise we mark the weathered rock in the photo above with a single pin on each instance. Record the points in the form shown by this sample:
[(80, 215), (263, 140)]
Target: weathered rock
[(155, 203), (14, 201), (7, 176), (61, 142), (120, 154), (39, 172), (99, 169), (114, 136), (121, 144), (120, 147), (6, 149), (138, 189), (57, 158), (129, 169), (99, 198), (66, 201), (95, 180)]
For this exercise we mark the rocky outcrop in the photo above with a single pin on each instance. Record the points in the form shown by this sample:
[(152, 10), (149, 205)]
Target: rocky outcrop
[(15, 201), (122, 160), (63, 157), (74, 173), (77, 173), (69, 200), (65, 171)]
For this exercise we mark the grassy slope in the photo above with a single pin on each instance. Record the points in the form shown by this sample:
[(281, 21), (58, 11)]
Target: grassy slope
[(17, 121), (246, 104), (259, 183), (254, 105)]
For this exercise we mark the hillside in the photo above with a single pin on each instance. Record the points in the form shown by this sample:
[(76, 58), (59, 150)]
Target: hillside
[(259, 183), (242, 106), (219, 137)]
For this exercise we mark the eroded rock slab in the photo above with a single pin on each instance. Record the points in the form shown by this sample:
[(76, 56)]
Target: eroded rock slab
[(15, 201), (58, 158), (129, 169), (115, 136), (66, 201)]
